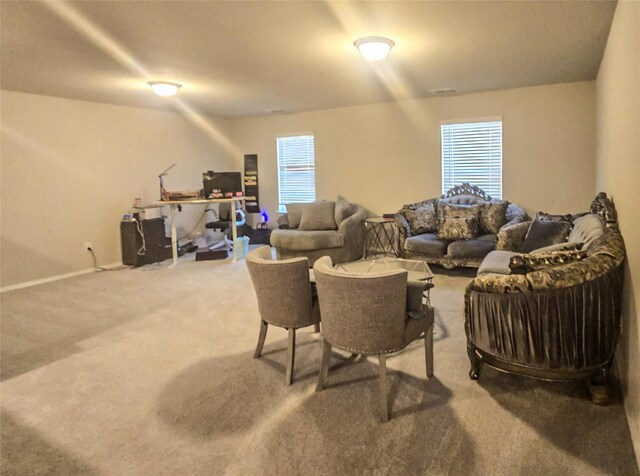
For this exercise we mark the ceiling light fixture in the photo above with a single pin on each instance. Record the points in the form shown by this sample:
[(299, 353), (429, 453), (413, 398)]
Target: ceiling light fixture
[(163, 88), (374, 48)]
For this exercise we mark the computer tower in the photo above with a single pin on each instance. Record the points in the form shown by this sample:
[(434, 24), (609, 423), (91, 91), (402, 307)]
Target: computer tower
[(157, 247)]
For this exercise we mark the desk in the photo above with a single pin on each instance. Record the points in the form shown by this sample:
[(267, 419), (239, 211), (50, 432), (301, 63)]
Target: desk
[(204, 201)]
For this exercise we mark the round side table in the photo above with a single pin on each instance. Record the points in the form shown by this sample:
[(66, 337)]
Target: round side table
[(380, 237)]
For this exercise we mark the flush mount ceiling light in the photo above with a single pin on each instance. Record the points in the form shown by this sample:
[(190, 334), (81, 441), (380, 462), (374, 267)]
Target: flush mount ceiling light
[(163, 88), (374, 48)]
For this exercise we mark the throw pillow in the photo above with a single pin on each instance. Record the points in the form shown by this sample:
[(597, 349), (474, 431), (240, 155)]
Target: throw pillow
[(422, 217), (344, 209), (318, 216), (549, 217), (294, 213), (523, 264), (493, 216), (458, 228), (544, 233), (447, 210)]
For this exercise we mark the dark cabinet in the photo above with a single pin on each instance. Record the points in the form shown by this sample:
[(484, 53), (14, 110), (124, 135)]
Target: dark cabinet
[(144, 242)]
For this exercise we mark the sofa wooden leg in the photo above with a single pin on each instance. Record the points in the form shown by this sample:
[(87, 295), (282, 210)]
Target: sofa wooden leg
[(475, 362)]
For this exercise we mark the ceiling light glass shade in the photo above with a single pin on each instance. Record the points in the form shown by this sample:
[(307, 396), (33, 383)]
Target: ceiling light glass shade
[(162, 88), (374, 48)]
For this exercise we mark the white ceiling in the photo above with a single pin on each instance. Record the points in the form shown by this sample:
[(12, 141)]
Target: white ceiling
[(246, 58)]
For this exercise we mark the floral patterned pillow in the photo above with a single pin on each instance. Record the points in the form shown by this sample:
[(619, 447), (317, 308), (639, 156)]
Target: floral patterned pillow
[(423, 219), (458, 228), (446, 210), (493, 216)]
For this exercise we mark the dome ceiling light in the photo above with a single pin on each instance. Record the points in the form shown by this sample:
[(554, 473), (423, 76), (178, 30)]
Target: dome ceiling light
[(164, 88), (374, 48)]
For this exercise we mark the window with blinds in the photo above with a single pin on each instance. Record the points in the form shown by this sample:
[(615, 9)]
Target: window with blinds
[(472, 152), (296, 170)]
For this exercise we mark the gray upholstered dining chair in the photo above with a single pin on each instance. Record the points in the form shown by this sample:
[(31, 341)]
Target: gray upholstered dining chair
[(371, 314), (284, 298)]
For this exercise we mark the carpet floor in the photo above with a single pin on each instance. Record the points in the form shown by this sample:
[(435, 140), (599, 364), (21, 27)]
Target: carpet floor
[(150, 371)]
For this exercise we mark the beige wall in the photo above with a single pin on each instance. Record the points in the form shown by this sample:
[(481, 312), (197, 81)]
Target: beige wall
[(70, 169), (385, 155), (618, 172)]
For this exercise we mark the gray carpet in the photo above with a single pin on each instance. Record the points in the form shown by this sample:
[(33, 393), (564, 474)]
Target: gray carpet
[(150, 371)]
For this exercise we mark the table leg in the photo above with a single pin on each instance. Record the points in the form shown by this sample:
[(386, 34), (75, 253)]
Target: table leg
[(234, 230), (174, 237)]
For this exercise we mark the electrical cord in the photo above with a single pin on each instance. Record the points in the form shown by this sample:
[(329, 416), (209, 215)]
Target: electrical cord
[(100, 268), (143, 249)]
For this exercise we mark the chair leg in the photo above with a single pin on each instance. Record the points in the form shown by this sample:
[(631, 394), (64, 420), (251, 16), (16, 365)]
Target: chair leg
[(261, 338), (428, 351), (384, 405), (316, 328), (291, 355), (324, 366)]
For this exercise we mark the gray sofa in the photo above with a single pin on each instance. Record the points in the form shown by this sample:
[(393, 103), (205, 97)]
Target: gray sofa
[(343, 243), (559, 318), (424, 243)]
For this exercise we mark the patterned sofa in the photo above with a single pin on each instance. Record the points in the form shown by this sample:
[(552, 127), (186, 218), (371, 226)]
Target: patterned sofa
[(558, 321), (421, 241)]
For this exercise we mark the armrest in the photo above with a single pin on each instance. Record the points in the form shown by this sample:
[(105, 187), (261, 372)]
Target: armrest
[(499, 283), (511, 236), (283, 221), (404, 230), (352, 228), (415, 292)]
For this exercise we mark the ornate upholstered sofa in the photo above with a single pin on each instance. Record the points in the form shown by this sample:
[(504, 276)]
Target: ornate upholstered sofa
[(343, 242), (424, 243), (557, 322)]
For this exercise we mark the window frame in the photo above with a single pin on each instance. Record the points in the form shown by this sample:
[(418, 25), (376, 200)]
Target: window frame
[(472, 120), (278, 137)]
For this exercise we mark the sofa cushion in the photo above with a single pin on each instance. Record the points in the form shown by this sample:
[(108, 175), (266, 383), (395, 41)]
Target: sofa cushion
[(493, 216), (426, 244), (294, 213), (586, 229), (458, 228), (496, 262), (544, 233), (566, 246), (344, 209), (318, 216), (477, 248), (300, 240)]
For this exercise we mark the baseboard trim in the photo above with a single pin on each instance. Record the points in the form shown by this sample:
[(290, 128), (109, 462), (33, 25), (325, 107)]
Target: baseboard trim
[(57, 277)]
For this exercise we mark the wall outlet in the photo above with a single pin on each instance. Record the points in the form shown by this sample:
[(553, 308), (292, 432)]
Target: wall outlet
[(87, 246)]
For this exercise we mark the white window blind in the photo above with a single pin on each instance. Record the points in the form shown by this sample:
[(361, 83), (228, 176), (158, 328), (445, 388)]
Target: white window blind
[(472, 152), (296, 170)]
